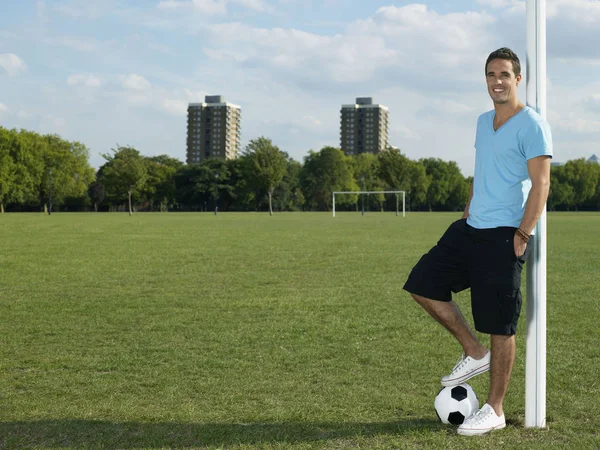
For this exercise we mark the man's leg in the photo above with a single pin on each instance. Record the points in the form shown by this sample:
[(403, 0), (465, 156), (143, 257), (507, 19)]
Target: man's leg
[(503, 358), (448, 314), (491, 415)]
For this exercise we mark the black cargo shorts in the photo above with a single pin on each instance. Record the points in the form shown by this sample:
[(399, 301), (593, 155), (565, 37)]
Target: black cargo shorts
[(481, 259)]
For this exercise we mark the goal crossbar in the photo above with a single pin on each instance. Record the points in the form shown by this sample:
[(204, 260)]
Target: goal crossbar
[(376, 192)]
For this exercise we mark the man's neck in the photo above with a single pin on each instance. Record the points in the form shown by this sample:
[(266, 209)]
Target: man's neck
[(505, 111)]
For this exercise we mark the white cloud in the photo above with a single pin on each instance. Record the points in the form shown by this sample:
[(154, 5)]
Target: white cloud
[(582, 11), (175, 107), (213, 7), (495, 3), (383, 48), (12, 64), (592, 103), (80, 44), (88, 9), (415, 27), (578, 124), (176, 103), (203, 6), (257, 5), (312, 121), (339, 58), (452, 107), (135, 82), (404, 132), (83, 80), (3, 108), (573, 29)]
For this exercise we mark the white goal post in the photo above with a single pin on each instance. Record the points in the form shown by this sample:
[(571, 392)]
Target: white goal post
[(377, 192)]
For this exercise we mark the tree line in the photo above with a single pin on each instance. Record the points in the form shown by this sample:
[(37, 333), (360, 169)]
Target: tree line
[(46, 172)]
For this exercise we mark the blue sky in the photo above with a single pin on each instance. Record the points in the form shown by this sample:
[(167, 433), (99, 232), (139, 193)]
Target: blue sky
[(122, 71)]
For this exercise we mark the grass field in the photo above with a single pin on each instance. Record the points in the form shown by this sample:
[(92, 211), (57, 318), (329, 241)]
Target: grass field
[(250, 331)]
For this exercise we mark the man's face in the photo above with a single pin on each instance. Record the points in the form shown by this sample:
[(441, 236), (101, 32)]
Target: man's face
[(501, 81)]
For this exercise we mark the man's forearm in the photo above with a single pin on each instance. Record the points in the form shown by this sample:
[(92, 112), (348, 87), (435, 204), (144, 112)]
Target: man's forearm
[(534, 207)]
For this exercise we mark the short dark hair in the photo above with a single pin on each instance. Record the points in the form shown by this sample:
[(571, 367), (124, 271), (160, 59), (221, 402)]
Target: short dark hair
[(508, 54)]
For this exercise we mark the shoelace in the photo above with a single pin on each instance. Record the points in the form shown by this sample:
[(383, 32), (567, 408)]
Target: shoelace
[(461, 362), (480, 416)]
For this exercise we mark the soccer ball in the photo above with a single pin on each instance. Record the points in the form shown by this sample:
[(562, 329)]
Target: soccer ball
[(454, 404)]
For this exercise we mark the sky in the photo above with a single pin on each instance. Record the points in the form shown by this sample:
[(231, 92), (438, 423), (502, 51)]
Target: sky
[(121, 72)]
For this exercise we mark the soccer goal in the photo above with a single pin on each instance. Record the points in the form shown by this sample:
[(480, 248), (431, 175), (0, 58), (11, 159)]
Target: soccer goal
[(376, 192)]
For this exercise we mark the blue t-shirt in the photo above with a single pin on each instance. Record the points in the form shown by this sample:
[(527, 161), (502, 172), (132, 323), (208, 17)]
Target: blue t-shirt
[(501, 181)]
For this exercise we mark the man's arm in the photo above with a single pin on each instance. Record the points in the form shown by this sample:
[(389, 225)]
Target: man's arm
[(466, 212), (539, 173)]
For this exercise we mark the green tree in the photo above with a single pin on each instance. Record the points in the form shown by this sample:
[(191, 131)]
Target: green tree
[(573, 184), (395, 169), (97, 194), (562, 193), (27, 149), (267, 164), (583, 176), (447, 188), (8, 169), (124, 172), (209, 182), (401, 173), (159, 189), (192, 186), (323, 173), (288, 194), (366, 175), (67, 170)]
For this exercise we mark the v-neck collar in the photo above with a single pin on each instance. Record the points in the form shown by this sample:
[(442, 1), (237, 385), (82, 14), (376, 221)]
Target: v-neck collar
[(493, 116)]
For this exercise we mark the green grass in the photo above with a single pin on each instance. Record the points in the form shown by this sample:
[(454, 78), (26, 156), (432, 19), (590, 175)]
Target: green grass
[(250, 331)]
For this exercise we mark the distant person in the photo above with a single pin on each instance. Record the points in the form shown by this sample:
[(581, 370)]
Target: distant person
[(486, 249)]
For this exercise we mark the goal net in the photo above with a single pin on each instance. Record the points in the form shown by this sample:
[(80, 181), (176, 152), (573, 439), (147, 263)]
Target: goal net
[(360, 197)]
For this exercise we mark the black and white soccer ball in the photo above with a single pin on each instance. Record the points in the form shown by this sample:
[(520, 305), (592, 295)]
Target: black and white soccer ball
[(454, 404)]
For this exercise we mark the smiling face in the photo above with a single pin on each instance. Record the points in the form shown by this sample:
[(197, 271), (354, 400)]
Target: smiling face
[(502, 82)]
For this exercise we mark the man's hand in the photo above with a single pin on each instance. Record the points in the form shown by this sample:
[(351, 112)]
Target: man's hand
[(520, 246)]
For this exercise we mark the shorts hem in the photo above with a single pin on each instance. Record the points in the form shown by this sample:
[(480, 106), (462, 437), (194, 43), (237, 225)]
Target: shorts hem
[(428, 295), (506, 331)]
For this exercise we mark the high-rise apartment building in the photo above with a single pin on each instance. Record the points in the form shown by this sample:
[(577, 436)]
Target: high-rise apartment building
[(363, 127), (213, 130)]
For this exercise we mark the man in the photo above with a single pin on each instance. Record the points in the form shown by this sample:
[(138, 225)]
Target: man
[(486, 249)]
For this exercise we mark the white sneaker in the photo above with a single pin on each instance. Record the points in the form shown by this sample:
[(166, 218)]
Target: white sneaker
[(467, 368), (483, 421)]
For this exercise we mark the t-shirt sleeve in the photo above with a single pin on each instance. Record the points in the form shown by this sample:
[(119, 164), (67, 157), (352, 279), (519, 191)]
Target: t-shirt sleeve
[(537, 141), (477, 131)]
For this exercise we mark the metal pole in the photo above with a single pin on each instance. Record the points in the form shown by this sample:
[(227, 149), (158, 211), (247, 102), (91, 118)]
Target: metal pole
[(363, 204), (334, 204), (535, 366), (403, 203), (50, 193), (362, 195), (216, 193)]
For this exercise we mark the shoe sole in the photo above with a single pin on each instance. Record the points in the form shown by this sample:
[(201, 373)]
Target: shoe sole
[(478, 432), (460, 380)]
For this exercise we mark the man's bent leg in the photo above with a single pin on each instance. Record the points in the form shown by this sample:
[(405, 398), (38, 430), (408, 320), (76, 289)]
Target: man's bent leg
[(448, 314), (503, 358)]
